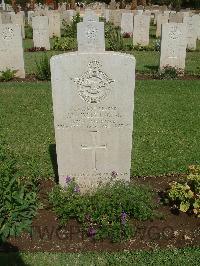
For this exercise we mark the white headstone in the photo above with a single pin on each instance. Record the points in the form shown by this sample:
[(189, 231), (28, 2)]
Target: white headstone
[(67, 16), (141, 30), (90, 36), (93, 119), (107, 15), (41, 32), (90, 16), (18, 19), (11, 50), (176, 17), (30, 16), (117, 18), (127, 23), (191, 33), (156, 13), (173, 45), (6, 18), (54, 24), (161, 19), (196, 21)]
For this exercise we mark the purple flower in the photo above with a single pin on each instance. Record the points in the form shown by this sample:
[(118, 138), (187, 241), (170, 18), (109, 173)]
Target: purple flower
[(123, 217), (68, 179), (76, 189), (91, 232), (114, 173)]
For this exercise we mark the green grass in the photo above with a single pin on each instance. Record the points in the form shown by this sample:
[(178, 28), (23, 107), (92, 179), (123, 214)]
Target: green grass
[(166, 126), (147, 61), (176, 257)]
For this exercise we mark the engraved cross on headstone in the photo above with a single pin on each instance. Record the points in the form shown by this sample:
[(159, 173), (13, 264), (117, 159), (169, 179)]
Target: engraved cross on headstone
[(94, 147)]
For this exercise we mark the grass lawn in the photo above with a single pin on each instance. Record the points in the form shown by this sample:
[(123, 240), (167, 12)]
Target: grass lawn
[(187, 256), (166, 126), (147, 61)]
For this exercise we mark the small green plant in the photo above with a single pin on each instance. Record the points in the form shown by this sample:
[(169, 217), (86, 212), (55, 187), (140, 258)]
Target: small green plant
[(64, 44), (7, 74), (29, 32), (43, 71), (185, 195), (18, 199), (105, 213), (168, 72), (116, 41), (71, 30)]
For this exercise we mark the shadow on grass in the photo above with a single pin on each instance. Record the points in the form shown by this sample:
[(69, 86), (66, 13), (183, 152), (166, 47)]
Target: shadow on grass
[(53, 156), (152, 68), (10, 256)]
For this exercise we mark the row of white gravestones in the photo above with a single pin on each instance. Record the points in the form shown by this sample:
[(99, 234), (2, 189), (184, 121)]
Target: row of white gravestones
[(173, 45), (93, 119), (11, 49), (40, 26)]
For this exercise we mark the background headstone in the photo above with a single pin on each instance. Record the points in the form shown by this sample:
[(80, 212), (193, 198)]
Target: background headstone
[(191, 33), (173, 45), (141, 30), (11, 50), (161, 19), (90, 16), (18, 19), (41, 32), (127, 23), (54, 24), (90, 36)]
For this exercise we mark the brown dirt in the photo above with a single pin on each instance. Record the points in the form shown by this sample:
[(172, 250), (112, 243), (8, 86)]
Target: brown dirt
[(171, 230), (139, 76)]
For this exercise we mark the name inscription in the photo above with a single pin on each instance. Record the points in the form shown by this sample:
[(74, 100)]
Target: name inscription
[(94, 117)]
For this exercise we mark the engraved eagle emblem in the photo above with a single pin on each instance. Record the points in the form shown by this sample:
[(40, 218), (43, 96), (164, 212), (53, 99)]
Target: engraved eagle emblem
[(94, 84)]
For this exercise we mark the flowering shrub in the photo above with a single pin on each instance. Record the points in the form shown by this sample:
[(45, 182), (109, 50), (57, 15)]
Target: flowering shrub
[(185, 195), (169, 72), (105, 213)]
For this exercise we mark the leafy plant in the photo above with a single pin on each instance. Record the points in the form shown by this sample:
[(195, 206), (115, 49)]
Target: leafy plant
[(43, 71), (116, 41), (64, 44), (71, 30), (18, 199), (105, 213), (29, 32), (185, 195), (7, 74)]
